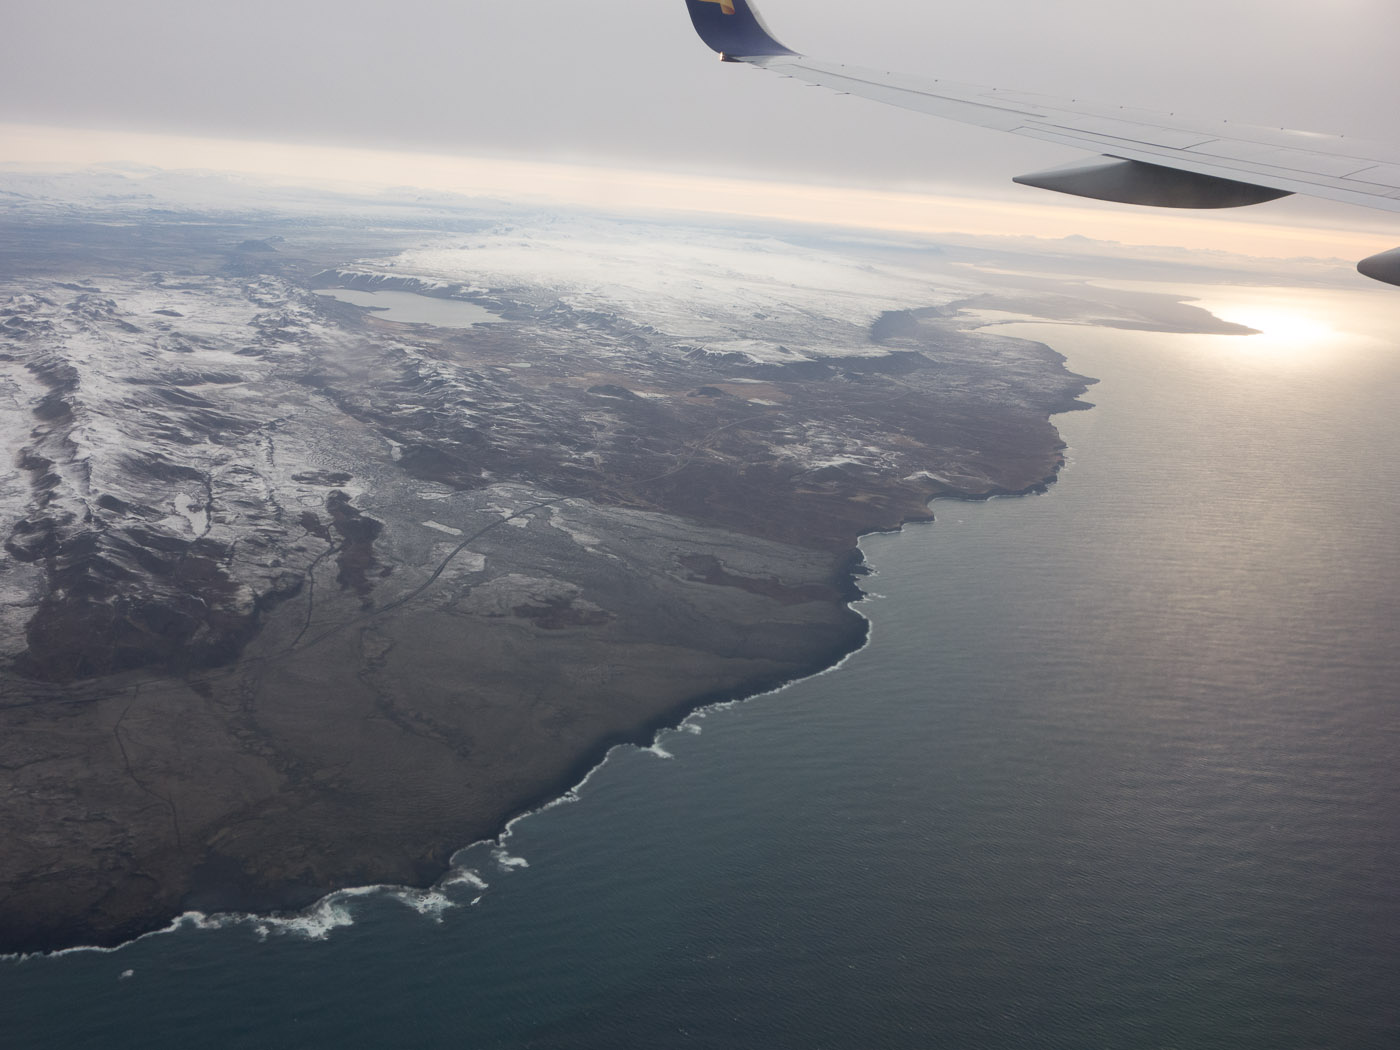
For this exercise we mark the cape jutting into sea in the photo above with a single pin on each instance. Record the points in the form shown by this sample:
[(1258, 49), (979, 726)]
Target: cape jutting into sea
[(1117, 769)]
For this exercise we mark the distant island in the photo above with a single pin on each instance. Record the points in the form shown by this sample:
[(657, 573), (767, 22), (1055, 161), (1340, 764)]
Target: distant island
[(296, 597)]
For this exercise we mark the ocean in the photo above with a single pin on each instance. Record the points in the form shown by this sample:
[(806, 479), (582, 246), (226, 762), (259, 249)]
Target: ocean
[(1117, 769)]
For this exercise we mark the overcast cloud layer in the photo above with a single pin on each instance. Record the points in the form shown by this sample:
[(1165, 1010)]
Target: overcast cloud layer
[(626, 80)]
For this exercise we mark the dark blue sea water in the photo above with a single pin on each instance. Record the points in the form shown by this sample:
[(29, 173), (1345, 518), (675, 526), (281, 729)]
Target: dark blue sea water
[(1118, 769)]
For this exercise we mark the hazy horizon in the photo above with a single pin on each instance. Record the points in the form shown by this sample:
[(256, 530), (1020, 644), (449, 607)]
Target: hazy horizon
[(624, 110)]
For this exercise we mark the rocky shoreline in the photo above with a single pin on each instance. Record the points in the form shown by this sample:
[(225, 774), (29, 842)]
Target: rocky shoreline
[(296, 598)]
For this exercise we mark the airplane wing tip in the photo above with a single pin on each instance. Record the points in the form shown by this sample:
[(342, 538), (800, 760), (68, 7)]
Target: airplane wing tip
[(733, 28)]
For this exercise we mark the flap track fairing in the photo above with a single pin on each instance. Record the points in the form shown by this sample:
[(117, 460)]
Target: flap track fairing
[(1136, 182)]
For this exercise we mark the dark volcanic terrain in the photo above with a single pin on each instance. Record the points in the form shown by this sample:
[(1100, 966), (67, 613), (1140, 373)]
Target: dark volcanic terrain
[(295, 597)]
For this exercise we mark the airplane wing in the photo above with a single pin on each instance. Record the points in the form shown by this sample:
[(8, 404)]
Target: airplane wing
[(1146, 158)]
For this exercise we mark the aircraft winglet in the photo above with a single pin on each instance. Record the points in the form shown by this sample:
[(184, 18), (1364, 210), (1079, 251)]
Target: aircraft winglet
[(733, 28)]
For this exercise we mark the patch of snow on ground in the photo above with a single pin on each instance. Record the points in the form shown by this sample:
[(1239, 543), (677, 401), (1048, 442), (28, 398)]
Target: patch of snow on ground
[(194, 513), (586, 540), (725, 292)]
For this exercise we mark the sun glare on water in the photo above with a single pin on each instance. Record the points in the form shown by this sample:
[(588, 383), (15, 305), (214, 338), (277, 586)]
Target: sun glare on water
[(1282, 329), (1296, 327)]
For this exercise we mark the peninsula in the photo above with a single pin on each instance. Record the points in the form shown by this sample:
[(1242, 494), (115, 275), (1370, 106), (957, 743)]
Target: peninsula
[(296, 597)]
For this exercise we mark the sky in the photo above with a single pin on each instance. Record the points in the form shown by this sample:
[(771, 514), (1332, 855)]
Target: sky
[(625, 84)]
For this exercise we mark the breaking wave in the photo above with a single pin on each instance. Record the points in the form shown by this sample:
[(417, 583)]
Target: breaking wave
[(316, 922), (506, 862)]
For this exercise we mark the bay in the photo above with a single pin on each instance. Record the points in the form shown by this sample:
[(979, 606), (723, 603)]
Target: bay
[(1117, 769)]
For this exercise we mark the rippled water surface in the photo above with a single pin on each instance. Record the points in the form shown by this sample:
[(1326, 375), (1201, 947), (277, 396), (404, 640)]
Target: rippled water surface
[(1117, 770)]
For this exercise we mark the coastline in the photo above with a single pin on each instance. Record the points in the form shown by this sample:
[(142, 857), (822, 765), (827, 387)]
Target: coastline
[(417, 557), (293, 903), (318, 914), (292, 916), (971, 763)]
